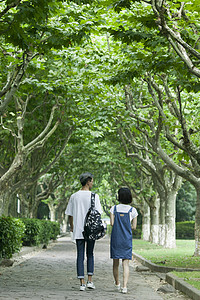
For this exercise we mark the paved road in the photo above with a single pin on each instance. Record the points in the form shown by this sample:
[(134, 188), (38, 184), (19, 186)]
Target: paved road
[(51, 274)]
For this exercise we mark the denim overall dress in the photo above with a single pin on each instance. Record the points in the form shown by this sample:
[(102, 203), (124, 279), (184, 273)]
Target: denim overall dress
[(121, 236)]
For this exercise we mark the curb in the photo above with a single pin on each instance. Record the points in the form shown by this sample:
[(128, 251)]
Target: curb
[(172, 279), (161, 269), (183, 286), (152, 266)]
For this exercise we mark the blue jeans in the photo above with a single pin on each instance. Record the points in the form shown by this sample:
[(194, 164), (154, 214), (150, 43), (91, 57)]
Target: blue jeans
[(80, 245)]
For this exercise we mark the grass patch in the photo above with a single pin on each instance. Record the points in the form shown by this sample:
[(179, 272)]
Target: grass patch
[(192, 278), (181, 256)]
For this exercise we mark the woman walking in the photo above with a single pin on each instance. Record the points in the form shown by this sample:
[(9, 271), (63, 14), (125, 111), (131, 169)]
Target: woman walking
[(121, 218)]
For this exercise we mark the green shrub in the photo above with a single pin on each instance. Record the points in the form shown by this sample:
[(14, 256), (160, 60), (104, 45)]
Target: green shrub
[(185, 230), (32, 230), (45, 231), (29, 232), (55, 230), (138, 232), (39, 231), (11, 233)]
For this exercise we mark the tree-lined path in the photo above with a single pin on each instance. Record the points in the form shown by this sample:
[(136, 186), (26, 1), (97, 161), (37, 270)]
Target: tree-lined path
[(110, 87), (51, 274)]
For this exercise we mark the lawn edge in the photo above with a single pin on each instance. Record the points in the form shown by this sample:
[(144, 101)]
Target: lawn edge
[(181, 285), (162, 269), (176, 282)]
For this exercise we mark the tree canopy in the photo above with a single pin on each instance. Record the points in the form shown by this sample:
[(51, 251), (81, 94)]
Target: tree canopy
[(106, 86)]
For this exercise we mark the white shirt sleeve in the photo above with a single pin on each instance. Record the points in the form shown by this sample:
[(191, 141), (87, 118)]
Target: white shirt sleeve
[(112, 210), (134, 213), (69, 210)]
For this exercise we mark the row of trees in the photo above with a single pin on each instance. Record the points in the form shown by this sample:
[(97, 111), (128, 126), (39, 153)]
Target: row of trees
[(106, 86)]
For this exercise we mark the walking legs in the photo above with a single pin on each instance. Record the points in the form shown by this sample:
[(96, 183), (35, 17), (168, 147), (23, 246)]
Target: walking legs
[(125, 264), (116, 270)]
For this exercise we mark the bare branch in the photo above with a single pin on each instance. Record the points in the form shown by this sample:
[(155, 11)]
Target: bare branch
[(57, 156), (38, 140), (6, 128), (14, 80), (29, 180)]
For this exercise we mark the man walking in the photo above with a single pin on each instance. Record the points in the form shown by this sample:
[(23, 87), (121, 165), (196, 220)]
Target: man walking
[(77, 208)]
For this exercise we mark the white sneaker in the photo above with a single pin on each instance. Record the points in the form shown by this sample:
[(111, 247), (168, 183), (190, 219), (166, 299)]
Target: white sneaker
[(82, 287), (90, 285), (117, 286), (124, 290)]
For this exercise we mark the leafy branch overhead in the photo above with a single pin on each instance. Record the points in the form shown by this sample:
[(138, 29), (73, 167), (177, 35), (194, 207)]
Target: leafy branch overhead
[(106, 86)]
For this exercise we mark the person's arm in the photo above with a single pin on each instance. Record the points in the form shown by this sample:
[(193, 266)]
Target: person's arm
[(71, 223), (112, 217), (134, 223)]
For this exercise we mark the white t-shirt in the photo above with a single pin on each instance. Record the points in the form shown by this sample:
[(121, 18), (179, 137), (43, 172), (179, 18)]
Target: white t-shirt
[(78, 206), (124, 208)]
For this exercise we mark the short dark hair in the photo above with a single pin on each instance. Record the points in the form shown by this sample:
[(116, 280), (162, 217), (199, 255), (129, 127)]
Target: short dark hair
[(85, 181), (85, 177), (124, 195)]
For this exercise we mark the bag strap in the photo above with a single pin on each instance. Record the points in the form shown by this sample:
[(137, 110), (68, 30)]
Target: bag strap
[(130, 210), (92, 200)]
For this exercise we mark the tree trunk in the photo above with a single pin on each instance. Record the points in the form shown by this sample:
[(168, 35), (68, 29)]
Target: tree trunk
[(24, 204), (197, 223), (27, 202), (4, 202), (170, 216), (64, 224), (33, 202), (60, 210), (13, 206), (146, 222), (170, 211), (154, 222), (52, 209), (161, 238)]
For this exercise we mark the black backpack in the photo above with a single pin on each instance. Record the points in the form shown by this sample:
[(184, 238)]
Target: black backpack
[(93, 226)]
